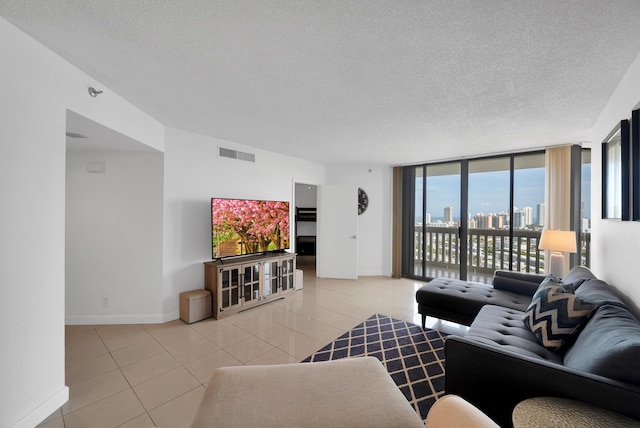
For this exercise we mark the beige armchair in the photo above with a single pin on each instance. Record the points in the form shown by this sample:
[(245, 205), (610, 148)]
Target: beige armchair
[(351, 392)]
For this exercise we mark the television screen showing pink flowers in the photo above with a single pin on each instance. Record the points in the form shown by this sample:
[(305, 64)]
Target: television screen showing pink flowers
[(244, 226)]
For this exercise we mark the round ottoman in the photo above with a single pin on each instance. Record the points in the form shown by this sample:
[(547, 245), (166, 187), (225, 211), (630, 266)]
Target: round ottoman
[(562, 412)]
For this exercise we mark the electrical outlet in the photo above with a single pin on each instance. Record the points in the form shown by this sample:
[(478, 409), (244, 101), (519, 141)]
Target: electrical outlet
[(105, 302)]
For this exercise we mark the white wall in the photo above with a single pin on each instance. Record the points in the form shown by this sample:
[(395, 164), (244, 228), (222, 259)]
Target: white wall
[(374, 225), (114, 238), (615, 244), (36, 88), (193, 175), (39, 88)]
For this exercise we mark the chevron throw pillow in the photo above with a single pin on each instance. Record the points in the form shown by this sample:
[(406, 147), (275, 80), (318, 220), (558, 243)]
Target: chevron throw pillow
[(555, 315)]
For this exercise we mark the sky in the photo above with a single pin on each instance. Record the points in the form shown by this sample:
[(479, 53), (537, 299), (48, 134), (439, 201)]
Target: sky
[(489, 192)]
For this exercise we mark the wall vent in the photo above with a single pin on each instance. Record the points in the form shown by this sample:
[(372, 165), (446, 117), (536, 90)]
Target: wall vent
[(235, 154)]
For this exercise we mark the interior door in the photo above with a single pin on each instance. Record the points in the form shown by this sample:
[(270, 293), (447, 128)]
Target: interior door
[(337, 228)]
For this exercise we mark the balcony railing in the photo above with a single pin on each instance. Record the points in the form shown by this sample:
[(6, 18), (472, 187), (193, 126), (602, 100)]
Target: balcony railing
[(487, 249)]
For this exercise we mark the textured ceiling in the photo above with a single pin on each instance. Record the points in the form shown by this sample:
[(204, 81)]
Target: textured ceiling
[(378, 82)]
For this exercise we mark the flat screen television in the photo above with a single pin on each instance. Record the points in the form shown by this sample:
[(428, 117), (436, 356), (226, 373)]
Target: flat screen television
[(246, 226)]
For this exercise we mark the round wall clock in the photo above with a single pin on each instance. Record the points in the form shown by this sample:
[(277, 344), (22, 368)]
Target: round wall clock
[(363, 201)]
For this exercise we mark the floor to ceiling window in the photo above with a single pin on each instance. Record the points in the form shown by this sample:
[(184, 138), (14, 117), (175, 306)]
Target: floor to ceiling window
[(435, 217), (470, 217), (489, 215)]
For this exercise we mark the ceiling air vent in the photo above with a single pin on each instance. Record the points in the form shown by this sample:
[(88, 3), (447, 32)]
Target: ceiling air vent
[(235, 154)]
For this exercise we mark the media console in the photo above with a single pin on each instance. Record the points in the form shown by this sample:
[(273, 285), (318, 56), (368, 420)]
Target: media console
[(244, 282)]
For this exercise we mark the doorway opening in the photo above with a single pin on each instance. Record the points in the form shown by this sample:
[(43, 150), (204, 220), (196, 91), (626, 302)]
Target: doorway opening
[(305, 226)]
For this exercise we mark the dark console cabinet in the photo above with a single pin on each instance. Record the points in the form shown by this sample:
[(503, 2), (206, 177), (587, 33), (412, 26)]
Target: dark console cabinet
[(306, 245)]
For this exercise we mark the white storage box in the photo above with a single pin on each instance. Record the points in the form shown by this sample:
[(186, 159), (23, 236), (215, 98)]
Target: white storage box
[(195, 305), (298, 279)]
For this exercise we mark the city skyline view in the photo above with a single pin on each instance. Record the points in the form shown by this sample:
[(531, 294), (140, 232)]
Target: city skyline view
[(489, 193), (500, 232)]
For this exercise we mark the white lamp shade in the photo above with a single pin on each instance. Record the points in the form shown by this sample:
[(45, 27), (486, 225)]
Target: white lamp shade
[(558, 240)]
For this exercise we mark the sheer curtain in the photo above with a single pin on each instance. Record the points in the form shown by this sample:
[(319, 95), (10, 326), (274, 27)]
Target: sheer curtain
[(558, 194)]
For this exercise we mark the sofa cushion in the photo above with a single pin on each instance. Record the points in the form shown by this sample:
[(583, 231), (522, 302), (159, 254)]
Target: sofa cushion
[(503, 327), (460, 301), (555, 315), (598, 292), (576, 276), (609, 345), (517, 282)]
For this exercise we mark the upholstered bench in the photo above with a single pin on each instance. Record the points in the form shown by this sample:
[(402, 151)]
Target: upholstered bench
[(351, 392), (460, 301)]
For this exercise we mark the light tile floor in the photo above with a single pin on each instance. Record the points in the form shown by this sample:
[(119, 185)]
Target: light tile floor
[(147, 375)]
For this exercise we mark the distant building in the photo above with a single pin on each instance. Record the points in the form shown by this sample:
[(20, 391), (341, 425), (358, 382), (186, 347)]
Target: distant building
[(518, 219), (528, 216), (481, 221), (497, 221), (505, 222), (522, 218), (540, 220), (448, 214)]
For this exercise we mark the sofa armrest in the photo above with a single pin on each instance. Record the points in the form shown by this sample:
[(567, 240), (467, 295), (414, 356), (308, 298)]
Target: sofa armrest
[(496, 380), (517, 282)]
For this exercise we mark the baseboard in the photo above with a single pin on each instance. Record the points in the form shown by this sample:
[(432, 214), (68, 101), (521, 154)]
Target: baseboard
[(113, 319), (377, 273), (44, 410), (171, 316)]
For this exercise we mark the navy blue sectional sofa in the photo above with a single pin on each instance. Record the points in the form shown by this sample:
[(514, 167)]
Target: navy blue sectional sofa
[(500, 362)]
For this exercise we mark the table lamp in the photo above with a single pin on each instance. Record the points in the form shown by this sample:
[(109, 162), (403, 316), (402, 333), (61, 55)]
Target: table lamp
[(558, 241)]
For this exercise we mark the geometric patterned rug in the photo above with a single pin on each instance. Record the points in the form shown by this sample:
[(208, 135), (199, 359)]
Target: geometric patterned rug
[(413, 357)]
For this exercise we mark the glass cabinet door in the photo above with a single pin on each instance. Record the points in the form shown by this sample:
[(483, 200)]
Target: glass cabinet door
[(286, 274), (230, 287), (251, 281), (270, 278)]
